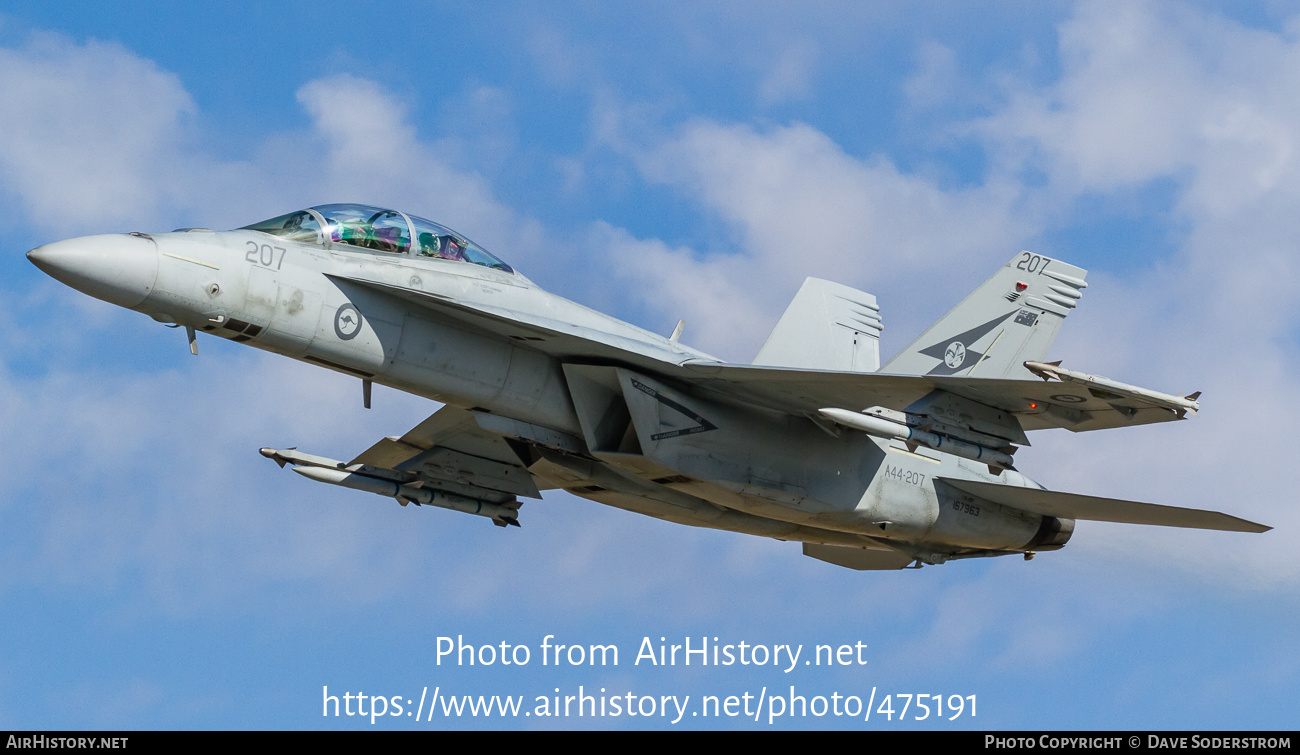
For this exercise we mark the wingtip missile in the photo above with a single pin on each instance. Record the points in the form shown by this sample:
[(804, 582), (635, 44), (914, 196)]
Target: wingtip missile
[(1045, 370), (273, 455), (1173, 403)]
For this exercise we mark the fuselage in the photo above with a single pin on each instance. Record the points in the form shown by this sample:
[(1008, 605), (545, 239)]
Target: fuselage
[(480, 336)]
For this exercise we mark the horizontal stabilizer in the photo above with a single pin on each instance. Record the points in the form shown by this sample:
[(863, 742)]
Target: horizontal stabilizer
[(1074, 506), (861, 559)]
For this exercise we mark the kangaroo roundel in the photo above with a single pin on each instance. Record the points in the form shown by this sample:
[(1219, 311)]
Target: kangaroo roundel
[(347, 322)]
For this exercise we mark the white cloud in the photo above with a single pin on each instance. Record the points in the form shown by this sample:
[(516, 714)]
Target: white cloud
[(370, 150), (1153, 90), (98, 139), (800, 206), (88, 129)]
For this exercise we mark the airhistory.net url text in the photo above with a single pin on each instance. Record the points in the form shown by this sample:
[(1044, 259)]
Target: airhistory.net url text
[(773, 707)]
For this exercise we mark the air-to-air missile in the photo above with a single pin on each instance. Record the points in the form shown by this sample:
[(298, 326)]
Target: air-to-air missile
[(1105, 388), (891, 425), (373, 480)]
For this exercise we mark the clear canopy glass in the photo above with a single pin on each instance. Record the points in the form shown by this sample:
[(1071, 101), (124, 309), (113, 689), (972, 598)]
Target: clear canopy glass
[(296, 226), (380, 230), (366, 227), (434, 240)]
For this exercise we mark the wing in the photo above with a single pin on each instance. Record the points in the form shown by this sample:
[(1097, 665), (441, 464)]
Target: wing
[(1073, 401), (1034, 404), (455, 459), (1074, 506), (451, 451)]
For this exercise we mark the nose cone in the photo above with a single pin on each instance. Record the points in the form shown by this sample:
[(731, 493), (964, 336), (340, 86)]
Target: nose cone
[(117, 268)]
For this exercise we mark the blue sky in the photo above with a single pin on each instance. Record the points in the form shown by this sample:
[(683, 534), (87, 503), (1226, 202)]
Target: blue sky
[(657, 161)]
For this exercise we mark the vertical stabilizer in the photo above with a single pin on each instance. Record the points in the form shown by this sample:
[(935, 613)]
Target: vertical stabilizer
[(827, 326), (1011, 319)]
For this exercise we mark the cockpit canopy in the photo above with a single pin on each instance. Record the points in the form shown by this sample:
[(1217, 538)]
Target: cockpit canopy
[(379, 230)]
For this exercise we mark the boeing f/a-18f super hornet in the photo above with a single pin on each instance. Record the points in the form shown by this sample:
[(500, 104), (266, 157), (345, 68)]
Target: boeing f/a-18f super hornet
[(867, 467)]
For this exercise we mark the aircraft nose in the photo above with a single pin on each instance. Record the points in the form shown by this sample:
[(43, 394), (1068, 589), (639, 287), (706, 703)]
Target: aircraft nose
[(120, 269)]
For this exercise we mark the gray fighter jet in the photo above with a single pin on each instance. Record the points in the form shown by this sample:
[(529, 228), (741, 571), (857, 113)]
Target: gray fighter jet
[(867, 467)]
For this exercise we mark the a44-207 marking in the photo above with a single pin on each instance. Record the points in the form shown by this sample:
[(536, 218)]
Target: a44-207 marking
[(905, 476)]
